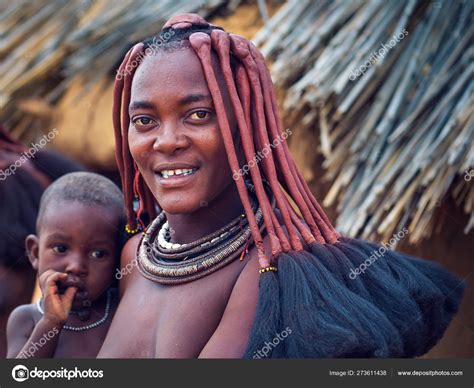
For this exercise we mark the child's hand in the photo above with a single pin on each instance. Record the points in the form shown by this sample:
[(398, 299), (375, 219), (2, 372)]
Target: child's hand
[(56, 306)]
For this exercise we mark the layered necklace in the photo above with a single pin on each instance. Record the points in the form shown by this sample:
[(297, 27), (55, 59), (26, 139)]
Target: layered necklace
[(165, 262)]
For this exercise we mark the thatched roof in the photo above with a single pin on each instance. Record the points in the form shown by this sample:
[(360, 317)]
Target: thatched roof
[(397, 136), (396, 140), (59, 59), (48, 45)]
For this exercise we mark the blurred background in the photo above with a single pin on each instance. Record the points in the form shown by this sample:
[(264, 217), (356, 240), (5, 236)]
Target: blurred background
[(378, 95)]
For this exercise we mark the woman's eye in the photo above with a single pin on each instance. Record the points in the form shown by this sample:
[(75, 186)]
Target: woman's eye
[(200, 115), (59, 249), (98, 254), (142, 121)]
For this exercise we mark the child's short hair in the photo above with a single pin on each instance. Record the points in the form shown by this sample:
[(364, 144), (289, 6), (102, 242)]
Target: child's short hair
[(87, 188)]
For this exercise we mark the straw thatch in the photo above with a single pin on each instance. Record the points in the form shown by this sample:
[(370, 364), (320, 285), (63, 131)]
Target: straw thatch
[(48, 45), (59, 60), (397, 136), (396, 140)]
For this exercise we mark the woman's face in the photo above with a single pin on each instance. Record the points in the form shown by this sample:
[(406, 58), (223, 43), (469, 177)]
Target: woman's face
[(174, 135)]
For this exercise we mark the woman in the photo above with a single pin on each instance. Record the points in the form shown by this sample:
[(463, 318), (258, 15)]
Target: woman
[(197, 131)]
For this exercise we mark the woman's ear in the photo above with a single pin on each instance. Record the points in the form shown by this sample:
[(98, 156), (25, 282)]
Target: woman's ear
[(32, 250)]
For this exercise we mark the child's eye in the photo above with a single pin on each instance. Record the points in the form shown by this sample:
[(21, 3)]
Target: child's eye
[(59, 248), (200, 115), (98, 254)]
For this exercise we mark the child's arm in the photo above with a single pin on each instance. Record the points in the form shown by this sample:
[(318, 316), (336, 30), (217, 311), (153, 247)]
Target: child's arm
[(19, 327), (24, 341)]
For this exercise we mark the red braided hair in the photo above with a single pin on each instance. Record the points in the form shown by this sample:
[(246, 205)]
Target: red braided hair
[(254, 102)]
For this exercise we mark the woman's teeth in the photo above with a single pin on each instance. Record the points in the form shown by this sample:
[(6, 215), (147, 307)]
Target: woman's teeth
[(184, 171)]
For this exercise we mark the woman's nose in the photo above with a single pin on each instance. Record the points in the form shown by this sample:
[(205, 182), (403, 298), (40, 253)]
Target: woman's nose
[(170, 139)]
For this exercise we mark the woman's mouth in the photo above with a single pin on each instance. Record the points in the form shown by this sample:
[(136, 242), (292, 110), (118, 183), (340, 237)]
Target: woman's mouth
[(177, 173), (175, 178)]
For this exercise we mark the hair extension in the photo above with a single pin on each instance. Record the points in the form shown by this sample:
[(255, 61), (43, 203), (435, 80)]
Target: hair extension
[(260, 130), (400, 309), (117, 108), (125, 163), (220, 40), (201, 44), (244, 55), (286, 161)]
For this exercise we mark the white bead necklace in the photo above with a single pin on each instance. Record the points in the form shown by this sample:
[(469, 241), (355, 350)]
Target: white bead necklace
[(86, 327), (165, 232)]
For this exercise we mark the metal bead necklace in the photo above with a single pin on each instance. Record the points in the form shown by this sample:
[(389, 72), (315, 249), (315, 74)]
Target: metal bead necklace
[(228, 232), (199, 258), (86, 327)]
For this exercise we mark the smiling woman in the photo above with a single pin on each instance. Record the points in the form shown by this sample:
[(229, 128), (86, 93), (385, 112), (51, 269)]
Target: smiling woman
[(187, 120), (174, 135)]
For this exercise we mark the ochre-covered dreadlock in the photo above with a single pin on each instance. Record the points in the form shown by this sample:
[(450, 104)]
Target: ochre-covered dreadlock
[(249, 84)]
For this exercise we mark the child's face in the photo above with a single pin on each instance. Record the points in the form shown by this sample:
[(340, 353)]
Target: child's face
[(173, 121), (80, 240)]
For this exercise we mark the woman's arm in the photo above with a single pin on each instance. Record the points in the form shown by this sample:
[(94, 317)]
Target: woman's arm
[(231, 336)]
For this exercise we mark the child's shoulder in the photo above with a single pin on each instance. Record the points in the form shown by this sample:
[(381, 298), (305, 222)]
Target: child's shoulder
[(21, 324), (24, 314), (22, 320)]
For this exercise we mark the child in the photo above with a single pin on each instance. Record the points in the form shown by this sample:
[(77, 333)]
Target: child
[(21, 187), (75, 252)]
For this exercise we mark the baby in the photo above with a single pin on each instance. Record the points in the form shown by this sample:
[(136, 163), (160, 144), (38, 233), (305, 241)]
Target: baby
[(75, 251)]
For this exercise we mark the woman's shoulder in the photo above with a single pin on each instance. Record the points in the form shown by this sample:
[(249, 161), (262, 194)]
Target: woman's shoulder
[(128, 262)]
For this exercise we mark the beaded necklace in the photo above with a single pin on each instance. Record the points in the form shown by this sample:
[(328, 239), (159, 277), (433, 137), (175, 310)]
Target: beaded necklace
[(86, 327), (163, 262)]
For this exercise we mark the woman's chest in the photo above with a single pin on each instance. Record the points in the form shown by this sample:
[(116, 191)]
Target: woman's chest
[(161, 321), (82, 344)]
